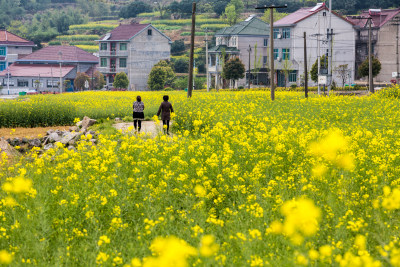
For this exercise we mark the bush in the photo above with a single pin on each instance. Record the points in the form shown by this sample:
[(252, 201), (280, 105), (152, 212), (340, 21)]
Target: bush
[(54, 43), (389, 92)]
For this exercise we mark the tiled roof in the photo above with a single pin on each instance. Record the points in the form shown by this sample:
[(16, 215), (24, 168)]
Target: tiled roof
[(378, 18), (219, 48), (7, 37), (36, 70), (69, 54), (251, 26), (304, 13), (125, 31)]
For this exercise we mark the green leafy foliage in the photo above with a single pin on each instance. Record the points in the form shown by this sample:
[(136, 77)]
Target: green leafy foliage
[(121, 80), (161, 74), (134, 8), (233, 69), (363, 69)]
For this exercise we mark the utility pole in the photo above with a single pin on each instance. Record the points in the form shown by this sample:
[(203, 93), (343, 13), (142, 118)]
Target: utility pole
[(61, 86), (370, 77), (190, 81), (249, 50), (271, 33), (330, 37), (8, 79), (305, 67), (207, 73), (319, 54)]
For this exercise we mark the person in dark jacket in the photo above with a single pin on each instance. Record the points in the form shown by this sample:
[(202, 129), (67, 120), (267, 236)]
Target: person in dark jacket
[(138, 114), (165, 110)]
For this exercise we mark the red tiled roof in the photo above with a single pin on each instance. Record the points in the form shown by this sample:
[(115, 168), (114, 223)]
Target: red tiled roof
[(7, 37), (28, 70), (304, 13), (378, 18), (69, 54), (126, 31)]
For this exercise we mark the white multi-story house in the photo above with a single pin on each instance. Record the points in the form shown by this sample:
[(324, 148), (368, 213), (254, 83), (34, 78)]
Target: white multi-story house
[(12, 47), (235, 41), (289, 44), (133, 49)]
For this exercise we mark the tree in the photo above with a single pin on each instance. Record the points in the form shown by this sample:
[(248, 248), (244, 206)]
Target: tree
[(181, 66), (230, 14), (177, 46), (233, 69), (121, 81), (160, 75), (134, 8), (219, 6), (314, 68), (98, 80), (277, 15), (286, 68), (162, 6), (80, 80), (363, 69), (343, 72)]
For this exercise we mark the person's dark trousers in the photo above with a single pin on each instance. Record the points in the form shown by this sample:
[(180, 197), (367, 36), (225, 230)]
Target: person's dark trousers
[(137, 123), (166, 122)]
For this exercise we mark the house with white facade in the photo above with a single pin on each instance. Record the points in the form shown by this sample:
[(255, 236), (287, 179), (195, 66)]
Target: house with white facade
[(133, 49), (235, 41), (12, 47), (289, 44), (385, 27)]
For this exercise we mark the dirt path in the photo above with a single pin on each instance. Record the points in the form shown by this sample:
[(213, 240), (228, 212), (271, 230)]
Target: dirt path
[(147, 127), (28, 132)]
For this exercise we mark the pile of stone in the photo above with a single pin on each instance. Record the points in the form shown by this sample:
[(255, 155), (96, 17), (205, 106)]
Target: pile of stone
[(67, 138)]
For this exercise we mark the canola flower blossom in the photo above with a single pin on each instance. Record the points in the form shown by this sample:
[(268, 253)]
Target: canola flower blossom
[(242, 181)]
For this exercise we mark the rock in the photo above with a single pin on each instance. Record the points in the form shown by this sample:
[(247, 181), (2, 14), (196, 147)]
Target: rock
[(35, 143), (68, 137), (48, 146), (54, 137), (5, 147), (87, 122), (15, 142), (74, 129), (71, 148), (79, 124), (71, 142), (50, 132), (117, 119), (25, 140), (94, 141), (92, 132)]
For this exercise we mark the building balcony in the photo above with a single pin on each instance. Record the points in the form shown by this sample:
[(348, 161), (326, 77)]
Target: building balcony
[(365, 38), (112, 70), (117, 53)]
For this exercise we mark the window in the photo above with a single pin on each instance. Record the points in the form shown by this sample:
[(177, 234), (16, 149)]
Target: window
[(103, 62), (276, 32), (276, 53), (265, 42), (2, 66), (122, 62), (286, 53), (265, 59), (293, 76), (122, 46), (149, 32), (286, 33), (103, 46), (23, 83), (2, 51), (53, 83), (6, 80)]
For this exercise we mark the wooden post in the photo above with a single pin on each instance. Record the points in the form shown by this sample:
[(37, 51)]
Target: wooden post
[(371, 82), (271, 51), (190, 82), (305, 67)]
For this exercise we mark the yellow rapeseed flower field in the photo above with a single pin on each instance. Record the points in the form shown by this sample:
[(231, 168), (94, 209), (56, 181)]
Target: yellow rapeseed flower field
[(243, 181)]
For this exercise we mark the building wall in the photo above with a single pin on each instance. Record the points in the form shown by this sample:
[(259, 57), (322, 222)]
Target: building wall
[(14, 51), (144, 52), (385, 51), (343, 45), (262, 52)]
